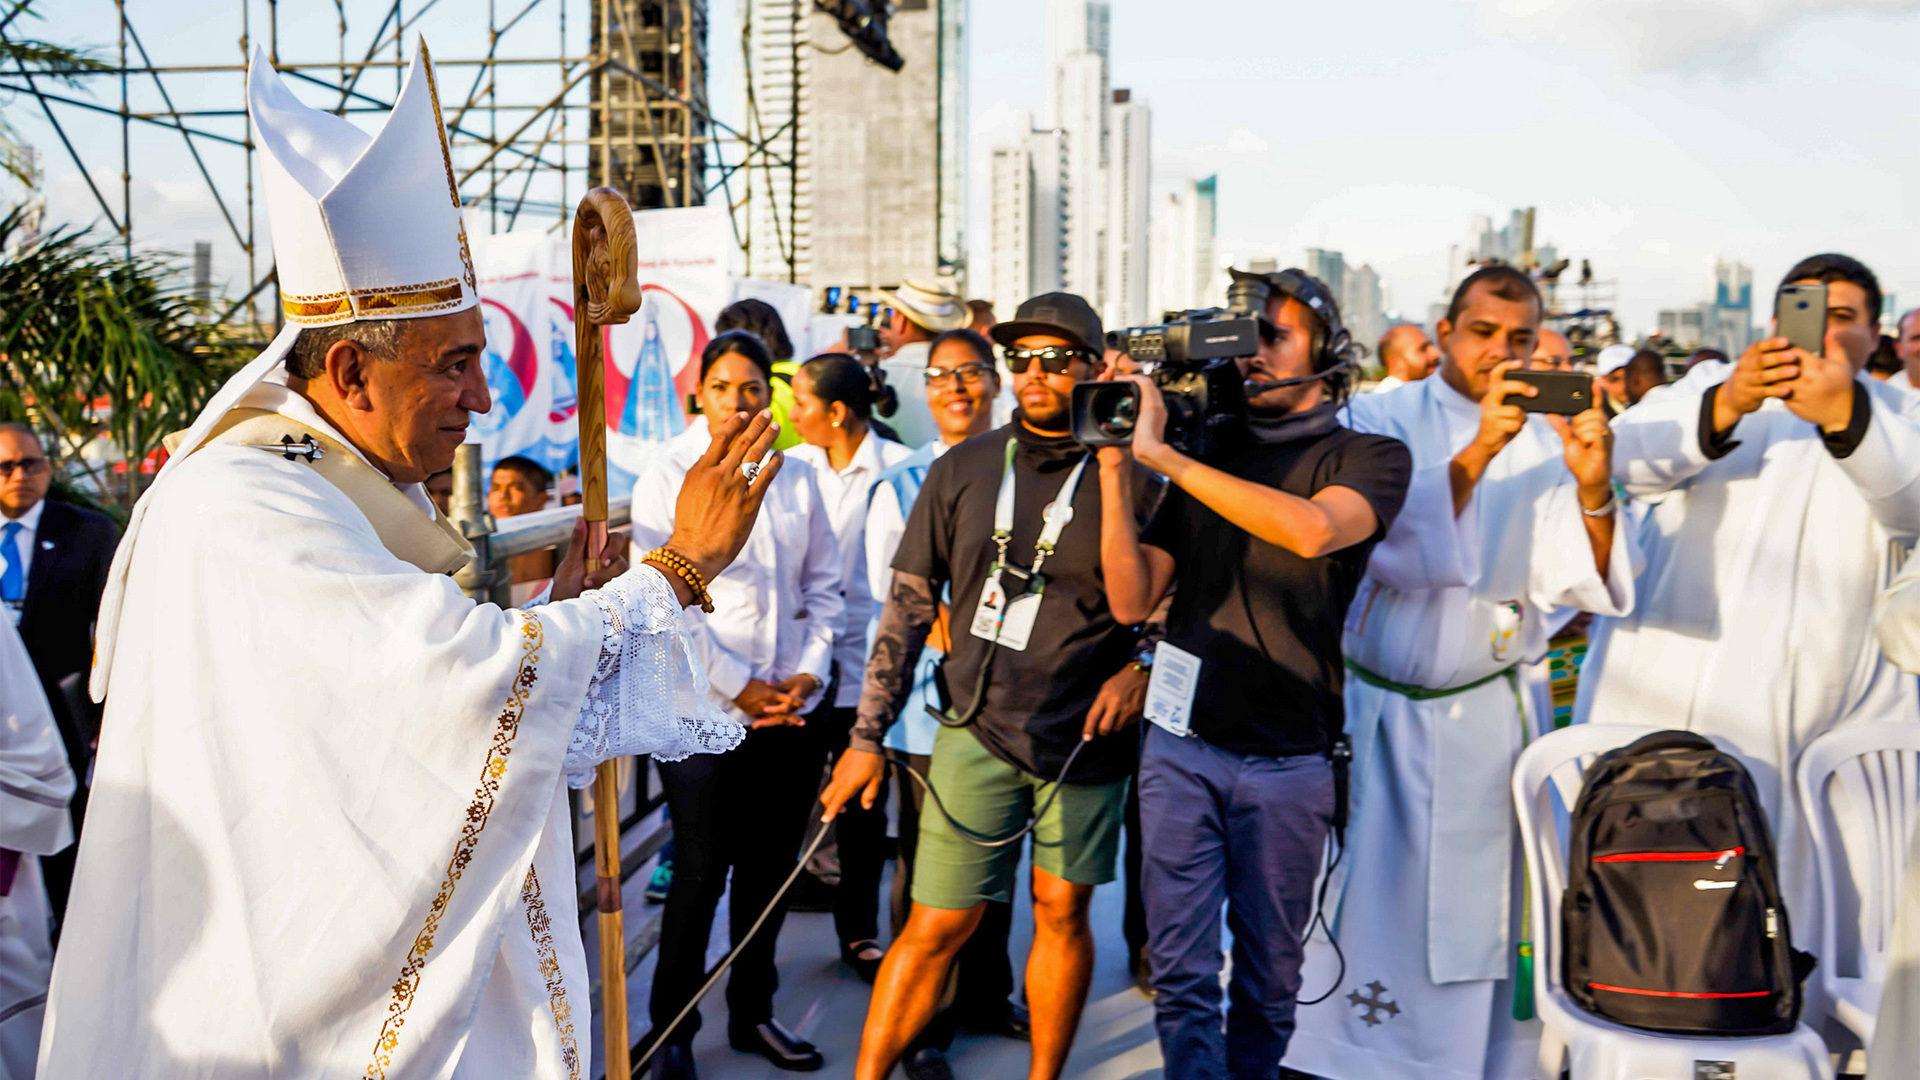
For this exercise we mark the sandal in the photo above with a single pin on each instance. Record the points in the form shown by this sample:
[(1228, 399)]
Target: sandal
[(863, 957)]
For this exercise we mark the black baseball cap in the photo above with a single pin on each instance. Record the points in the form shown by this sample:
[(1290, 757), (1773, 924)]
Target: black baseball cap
[(1055, 314)]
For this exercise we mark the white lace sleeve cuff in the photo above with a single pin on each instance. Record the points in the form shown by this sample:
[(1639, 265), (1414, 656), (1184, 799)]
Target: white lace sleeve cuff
[(648, 694)]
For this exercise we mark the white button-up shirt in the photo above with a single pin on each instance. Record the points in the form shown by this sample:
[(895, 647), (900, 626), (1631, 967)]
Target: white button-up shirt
[(776, 609), (847, 494), (24, 543)]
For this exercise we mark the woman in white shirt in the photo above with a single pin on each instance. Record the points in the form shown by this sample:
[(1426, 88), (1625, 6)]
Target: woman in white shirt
[(834, 397), (768, 652)]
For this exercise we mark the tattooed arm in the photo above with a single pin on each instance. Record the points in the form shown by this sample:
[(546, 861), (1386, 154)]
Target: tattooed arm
[(905, 621)]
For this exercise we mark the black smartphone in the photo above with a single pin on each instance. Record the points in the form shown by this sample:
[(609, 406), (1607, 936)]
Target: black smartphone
[(1800, 315), (1562, 392)]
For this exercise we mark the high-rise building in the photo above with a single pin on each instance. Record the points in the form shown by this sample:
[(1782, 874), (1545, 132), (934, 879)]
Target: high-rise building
[(1181, 242), (1078, 34), (648, 146), (1725, 322), (1082, 122), (1129, 177), (1363, 306), (874, 196), (1010, 269), (1028, 211), (1330, 267), (780, 201)]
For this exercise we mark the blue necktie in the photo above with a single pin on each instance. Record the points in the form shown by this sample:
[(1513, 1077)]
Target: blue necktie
[(13, 580)]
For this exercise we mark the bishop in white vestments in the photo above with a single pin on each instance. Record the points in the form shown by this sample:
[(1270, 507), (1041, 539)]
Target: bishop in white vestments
[(1508, 517), (1784, 490), (329, 832), (35, 784)]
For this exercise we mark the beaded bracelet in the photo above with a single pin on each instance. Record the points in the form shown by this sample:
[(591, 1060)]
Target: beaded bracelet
[(684, 570)]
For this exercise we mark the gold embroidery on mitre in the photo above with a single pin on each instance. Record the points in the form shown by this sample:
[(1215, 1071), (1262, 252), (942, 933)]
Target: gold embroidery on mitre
[(440, 126), (540, 926), (433, 296), (492, 773)]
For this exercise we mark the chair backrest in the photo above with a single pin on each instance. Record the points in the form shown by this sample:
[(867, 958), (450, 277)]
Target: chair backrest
[(1556, 764), (1876, 765)]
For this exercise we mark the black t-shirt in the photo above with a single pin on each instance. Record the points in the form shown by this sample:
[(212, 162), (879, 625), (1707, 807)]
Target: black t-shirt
[(1264, 621), (1037, 699)]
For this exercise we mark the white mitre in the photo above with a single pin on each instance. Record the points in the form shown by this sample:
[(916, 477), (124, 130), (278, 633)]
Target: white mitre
[(364, 227)]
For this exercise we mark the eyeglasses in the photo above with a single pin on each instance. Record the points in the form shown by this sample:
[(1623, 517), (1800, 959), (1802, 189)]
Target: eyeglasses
[(1054, 359), (970, 374), (31, 466)]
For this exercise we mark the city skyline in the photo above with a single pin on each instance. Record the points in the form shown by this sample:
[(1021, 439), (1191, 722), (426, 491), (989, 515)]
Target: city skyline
[(1651, 157)]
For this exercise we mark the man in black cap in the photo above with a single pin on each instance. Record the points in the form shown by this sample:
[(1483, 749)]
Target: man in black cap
[(1038, 673)]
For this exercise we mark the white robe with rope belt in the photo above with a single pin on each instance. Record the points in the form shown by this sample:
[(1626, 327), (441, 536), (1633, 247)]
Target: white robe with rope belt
[(328, 834), (1423, 903), (1756, 624), (36, 783)]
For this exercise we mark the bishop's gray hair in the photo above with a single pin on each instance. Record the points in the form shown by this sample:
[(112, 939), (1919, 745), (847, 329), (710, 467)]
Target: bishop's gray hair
[(380, 338)]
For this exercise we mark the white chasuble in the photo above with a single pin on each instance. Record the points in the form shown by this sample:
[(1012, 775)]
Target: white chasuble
[(1756, 623), (1426, 901), (36, 783), (328, 832)]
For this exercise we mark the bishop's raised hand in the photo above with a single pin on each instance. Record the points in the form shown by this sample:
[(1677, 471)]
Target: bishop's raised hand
[(719, 500)]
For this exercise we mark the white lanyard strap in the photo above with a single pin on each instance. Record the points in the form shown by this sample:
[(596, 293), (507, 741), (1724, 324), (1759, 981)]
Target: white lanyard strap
[(1056, 516)]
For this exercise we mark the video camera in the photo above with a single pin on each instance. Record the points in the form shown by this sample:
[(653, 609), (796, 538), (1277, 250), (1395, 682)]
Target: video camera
[(1193, 358)]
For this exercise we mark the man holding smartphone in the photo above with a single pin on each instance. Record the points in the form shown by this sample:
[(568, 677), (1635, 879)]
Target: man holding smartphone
[(1509, 516), (1786, 487), (1269, 540)]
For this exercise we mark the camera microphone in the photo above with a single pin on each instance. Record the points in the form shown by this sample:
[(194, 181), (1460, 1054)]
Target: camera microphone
[(1257, 387)]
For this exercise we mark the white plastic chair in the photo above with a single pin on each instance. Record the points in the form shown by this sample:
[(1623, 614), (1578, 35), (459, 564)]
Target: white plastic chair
[(1592, 1048), (1877, 765)]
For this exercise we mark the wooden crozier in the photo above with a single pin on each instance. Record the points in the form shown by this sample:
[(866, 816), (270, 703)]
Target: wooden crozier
[(605, 291)]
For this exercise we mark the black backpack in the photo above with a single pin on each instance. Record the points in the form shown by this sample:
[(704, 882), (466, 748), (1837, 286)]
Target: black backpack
[(1672, 919)]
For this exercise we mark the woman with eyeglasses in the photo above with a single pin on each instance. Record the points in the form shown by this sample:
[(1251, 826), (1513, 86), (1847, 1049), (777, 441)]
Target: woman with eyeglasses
[(834, 399), (768, 651)]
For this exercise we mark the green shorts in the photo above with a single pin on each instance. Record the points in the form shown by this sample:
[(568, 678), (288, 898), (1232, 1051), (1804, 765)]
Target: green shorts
[(1076, 841)]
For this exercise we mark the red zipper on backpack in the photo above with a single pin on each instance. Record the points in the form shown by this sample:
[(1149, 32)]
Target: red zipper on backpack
[(1673, 856), (1676, 993)]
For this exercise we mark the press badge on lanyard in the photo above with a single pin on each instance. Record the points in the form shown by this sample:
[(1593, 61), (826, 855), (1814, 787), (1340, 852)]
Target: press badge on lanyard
[(1010, 598)]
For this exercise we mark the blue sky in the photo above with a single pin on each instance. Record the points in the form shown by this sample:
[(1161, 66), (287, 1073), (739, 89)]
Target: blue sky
[(1653, 135)]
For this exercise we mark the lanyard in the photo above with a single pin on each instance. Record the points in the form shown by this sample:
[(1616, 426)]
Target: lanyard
[(1058, 512)]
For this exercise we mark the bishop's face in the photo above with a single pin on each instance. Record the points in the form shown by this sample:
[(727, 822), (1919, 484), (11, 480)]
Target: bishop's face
[(418, 403)]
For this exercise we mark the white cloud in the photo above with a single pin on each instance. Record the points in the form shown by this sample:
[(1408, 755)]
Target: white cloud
[(1728, 37)]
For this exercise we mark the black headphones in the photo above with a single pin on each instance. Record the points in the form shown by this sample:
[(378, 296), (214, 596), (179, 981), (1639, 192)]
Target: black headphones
[(1333, 354)]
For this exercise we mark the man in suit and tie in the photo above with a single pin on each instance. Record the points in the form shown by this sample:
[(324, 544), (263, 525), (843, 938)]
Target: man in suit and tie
[(53, 566)]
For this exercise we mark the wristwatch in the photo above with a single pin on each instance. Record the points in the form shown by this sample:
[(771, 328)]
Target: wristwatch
[(1143, 658)]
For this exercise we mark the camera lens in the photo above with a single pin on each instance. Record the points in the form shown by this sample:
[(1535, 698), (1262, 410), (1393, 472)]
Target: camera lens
[(1121, 418)]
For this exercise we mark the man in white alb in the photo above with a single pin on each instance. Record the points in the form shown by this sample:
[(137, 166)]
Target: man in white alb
[(329, 833), (1509, 516), (35, 784), (1784, 489)]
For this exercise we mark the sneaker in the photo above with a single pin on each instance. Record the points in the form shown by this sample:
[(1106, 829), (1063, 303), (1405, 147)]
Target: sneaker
[(660, 883)]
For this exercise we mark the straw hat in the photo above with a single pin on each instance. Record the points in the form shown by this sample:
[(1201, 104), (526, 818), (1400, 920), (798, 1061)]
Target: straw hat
[(927, 305)]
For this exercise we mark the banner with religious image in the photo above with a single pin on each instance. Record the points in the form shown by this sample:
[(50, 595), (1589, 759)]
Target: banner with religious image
[(526, 298)]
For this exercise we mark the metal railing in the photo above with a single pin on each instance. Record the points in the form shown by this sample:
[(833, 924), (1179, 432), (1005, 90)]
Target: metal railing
[(486, 579)]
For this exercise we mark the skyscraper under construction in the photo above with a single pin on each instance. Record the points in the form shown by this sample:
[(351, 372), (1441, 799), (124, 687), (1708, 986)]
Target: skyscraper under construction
[(647, 132)]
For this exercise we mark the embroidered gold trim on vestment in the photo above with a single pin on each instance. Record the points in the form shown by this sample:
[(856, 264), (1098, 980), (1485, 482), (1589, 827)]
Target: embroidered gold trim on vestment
[(541, 927), (506, 726)]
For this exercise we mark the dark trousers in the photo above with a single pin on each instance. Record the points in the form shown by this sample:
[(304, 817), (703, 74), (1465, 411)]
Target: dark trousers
[(743, 812), (860, 835), (1248, 832), (982, 978)]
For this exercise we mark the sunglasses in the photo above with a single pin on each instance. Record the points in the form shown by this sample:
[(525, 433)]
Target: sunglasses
[(26, 466), (1054, 359), (970, 374)]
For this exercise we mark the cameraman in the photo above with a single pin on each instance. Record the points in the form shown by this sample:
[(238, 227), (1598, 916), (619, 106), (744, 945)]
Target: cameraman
[(1270, 539)]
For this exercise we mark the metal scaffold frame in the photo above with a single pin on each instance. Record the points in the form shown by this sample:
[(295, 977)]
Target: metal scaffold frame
[(505, 151)]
